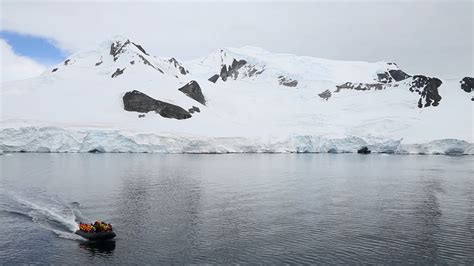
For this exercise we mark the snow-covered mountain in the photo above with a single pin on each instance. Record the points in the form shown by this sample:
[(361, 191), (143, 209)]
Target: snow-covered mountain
[(116, 97)]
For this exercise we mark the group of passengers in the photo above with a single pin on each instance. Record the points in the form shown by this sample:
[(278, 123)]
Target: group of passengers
[(96, 227)]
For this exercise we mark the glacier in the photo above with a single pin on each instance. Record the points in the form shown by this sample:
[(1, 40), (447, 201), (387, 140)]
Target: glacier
[(57, 139)]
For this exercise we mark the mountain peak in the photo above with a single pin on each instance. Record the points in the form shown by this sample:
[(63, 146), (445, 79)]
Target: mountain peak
[(119, 55), (118, 38)]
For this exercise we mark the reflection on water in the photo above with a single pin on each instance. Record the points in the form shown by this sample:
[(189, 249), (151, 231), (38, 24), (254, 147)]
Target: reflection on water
[(99, 247), (243, 208)]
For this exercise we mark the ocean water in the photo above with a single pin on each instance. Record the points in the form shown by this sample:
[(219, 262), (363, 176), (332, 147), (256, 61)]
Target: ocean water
[(238, 208)]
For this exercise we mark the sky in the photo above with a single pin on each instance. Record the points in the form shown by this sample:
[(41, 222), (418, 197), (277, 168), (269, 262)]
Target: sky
[(422, 37)]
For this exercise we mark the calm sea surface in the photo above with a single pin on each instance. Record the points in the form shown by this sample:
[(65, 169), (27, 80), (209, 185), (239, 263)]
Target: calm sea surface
[(264, 208)]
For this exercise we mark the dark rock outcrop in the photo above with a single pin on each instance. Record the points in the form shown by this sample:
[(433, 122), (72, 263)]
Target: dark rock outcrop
[(182, 70), (54, 69), (360, 86), (238, 68), (67, 62), (398, 75), (178, 66), (98, 63), (146, 62), (132, 62), (136, 101), (118, 72), (236, 65), (194, 109), (232, 71), (325, 94), (427, 88), (141, 115), (96, 150), (223, 73), (287, 81), (364, 150), (214, 78), (467, 84), (116, 48), (392, 75), (253, 71), (140, 48), (193, 90), (384, 77)]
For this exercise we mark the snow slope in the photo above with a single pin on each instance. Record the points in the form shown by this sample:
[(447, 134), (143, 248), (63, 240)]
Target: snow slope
[(270, 103)]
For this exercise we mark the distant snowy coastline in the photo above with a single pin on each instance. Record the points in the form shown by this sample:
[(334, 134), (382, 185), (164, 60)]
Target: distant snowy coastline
[(58, 140), (116, 97)]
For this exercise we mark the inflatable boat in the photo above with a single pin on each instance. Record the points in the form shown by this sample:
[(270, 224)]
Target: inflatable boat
[(96, 236)]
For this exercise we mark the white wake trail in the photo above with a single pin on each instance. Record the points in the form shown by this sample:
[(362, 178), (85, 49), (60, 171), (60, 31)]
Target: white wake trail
[(51, 214)]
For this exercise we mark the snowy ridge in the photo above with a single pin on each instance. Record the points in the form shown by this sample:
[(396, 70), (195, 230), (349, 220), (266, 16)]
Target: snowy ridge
[(304, 68), (118, 53), (54, 139)]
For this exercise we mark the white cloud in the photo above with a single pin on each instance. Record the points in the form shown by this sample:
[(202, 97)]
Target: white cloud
[(425, 37), (16, 67)]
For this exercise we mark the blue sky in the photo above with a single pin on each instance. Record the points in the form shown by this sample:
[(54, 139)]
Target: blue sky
[(40, 49)]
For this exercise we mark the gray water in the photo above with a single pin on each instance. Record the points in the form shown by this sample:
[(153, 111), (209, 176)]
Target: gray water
[(264, 208)]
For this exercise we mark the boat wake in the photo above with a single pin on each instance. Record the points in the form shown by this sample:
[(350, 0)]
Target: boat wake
[(49, 212)]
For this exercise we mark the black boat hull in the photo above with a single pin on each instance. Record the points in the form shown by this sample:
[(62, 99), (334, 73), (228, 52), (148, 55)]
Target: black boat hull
[(96, 236)]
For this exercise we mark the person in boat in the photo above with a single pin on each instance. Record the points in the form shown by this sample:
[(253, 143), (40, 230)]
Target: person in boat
[(100, 226), (96, 227), (85, 227)]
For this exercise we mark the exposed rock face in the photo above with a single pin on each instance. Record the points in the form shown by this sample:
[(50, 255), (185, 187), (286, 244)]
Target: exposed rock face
[(392, 75), (136, 101), (360, 86), (238, 68), (141, 115), (146, 62), (98, 63), (118, 72), (384, 77), (253, 71), (427, 88), (325, 94), (467, 84), (140, 48), (54, 69), (193, 91), (194, 109), (223, 74), (132, 62), (232, 71), (363, 150), (116, 48), (178, 65), (67, 62), (398, 75), (214, 78), (287, 81)]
